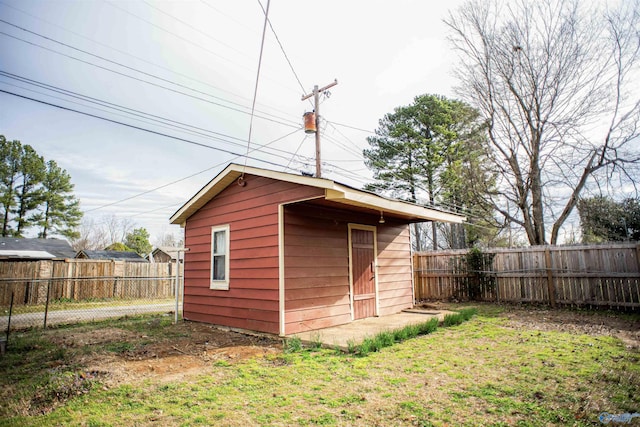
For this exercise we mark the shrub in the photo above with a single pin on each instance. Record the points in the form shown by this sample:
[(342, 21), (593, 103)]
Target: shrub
[(388, 338), (428, 326), (385, 339), (367, 346), (292, 345), (453, 319), (400, 335)]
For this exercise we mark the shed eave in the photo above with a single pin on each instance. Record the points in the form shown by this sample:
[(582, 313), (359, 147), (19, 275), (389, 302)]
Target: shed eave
[(230, 175), (414, 213), (334, 191)]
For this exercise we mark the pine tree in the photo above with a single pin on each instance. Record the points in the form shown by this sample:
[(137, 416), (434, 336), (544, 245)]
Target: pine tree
[(29, 196), (60, 210), (420, 151), (10, 154)]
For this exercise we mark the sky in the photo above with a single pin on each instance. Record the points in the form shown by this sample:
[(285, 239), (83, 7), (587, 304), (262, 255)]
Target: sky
[(188, 69)]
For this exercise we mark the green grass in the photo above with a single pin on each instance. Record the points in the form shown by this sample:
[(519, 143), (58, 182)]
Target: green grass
[(389, 338), (480, 372)]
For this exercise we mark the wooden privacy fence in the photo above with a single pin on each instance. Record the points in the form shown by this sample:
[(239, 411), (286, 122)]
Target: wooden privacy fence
[(31, 282), (597, 275)]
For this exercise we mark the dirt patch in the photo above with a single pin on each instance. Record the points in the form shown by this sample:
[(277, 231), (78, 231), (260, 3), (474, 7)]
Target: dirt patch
[(70, 339), (624, 327), (190, 349)]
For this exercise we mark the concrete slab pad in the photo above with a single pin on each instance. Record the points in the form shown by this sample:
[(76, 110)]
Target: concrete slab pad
[(358, 330)]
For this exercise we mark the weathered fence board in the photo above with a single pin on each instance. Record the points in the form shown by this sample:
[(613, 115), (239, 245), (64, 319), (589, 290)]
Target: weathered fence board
[(596, 275), (82, 280)]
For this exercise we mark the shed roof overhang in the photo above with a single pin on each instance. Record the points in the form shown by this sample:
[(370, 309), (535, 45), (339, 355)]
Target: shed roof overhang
[(333, 191)]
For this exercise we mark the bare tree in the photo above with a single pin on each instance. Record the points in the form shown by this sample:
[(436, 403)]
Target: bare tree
[(170, 239), (91, 236), (557, 82), (117, 228), (98, 234)]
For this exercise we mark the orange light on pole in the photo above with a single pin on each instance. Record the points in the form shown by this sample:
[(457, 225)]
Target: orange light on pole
[(310, 122)]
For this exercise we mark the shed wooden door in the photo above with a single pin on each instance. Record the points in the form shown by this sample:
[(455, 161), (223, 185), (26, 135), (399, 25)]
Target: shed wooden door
[(363, 273)]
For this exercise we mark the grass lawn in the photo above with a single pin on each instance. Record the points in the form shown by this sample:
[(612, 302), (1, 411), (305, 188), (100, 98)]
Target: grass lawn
[(487, 371)]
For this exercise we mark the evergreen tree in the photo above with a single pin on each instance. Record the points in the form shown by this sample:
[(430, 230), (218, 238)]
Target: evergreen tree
[(138, 240), (29, 195), (10, 155), (60, 210), (427, 152), (604, 220)]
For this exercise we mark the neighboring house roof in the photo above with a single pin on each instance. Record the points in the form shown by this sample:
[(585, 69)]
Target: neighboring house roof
[(169, 250), (111, 255), (20, 248), (334, 192)]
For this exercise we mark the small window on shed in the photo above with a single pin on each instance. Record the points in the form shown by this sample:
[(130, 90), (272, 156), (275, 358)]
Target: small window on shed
[(220, 257)]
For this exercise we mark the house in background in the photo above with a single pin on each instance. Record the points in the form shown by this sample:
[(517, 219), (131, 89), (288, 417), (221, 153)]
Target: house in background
[(16, 249), (282, 253), (165, 254), (110, 256)]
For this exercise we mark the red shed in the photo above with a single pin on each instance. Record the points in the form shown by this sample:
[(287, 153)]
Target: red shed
[(283, 253)]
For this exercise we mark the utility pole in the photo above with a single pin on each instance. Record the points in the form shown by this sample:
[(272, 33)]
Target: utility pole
[(316, 96)]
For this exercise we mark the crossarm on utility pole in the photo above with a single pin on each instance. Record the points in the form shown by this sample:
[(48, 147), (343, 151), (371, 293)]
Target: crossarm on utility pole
[(330, 85)]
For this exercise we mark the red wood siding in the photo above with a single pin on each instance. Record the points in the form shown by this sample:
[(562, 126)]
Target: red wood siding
[(394, 269), (252, 214), (316, 268)]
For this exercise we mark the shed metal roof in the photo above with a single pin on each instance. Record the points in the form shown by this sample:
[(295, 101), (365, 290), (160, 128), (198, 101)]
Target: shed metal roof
[(334, 192)]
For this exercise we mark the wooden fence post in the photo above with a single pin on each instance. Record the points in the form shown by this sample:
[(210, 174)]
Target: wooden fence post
[(550, 284)]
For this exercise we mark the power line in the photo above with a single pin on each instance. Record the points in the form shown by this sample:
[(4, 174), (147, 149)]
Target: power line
[(296, 152), (134, 69), (143, 120), (148, 22), (353, 144), (161, 78), (139, 58), (354, 127), (196, 29), (228, 16), (180, 179), (351, 175), (155, 133), (166, 127), (156, 209), (146, 81), (199, 144), (131, 111), (283, 51), (343, 146), (255, 91), (185, 39)]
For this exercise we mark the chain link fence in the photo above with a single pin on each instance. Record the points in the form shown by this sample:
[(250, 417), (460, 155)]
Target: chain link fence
[(42, 302)]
